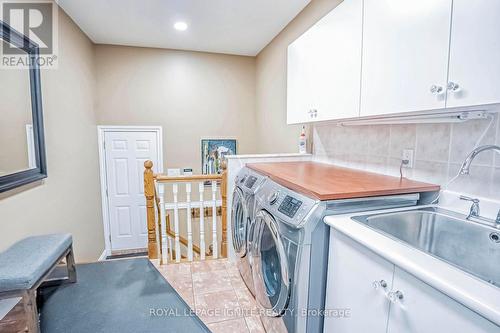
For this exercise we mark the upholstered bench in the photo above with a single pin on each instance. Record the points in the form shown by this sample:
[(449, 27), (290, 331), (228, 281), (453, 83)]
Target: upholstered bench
[(31, 263)]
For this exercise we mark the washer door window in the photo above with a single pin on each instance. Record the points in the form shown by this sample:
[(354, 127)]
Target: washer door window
[(272, 285), (239, 220)]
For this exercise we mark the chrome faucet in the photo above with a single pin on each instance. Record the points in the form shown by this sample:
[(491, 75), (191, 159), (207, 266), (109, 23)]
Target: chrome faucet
[(464, 170), (475, 212), (474, 209)]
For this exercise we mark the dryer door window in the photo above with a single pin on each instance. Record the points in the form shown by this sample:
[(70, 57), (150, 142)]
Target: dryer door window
[(239, 220), (271, 267)]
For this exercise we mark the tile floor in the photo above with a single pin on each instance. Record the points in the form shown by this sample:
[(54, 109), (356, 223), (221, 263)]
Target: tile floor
[(215, 290)]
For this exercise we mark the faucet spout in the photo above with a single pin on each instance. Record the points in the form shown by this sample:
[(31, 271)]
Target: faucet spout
[(465, 169)]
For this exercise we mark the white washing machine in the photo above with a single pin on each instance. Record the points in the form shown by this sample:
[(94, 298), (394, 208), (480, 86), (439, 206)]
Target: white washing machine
[(290, 253), (247, 183)]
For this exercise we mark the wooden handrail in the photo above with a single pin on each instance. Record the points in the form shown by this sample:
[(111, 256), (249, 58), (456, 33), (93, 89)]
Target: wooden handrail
[(186, 179)]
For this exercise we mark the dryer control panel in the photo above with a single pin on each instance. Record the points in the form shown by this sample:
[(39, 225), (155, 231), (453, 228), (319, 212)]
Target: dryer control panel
[(289, 206)]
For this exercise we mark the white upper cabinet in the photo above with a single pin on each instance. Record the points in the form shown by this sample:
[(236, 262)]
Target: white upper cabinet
[(381, 57), (324, 67), (300, 99), (337, 65), (474, 73), (405, 55)]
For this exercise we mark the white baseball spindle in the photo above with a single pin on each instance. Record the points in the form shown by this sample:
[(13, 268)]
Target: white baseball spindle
[(214, 219), (175, 190), (170, 246), (162, 217), (201, 190), (189, 227)]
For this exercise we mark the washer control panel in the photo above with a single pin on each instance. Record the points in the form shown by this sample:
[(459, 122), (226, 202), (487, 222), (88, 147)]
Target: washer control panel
[(289, 206), (249, 181)]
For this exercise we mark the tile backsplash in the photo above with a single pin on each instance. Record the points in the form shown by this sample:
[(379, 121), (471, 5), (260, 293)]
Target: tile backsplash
[(439, 152)]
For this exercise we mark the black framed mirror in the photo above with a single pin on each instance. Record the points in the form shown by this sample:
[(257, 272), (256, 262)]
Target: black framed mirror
[(22, 144)]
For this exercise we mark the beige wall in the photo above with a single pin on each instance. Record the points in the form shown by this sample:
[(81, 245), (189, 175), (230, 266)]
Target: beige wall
[(274, 135), (68, 200), (192, 95)]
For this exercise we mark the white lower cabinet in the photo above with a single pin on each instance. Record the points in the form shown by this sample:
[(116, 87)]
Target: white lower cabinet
[(352, 272), (425, 309), (356, 278)]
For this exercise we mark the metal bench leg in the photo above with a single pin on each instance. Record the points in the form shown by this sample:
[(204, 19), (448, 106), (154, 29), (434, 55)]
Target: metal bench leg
[(70, 262), (32, 317)]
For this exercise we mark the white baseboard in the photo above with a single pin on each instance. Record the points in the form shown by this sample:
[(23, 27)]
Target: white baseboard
[(103, 256)]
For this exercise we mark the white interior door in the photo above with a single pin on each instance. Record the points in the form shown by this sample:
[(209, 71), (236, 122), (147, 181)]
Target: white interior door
[(125, 154)]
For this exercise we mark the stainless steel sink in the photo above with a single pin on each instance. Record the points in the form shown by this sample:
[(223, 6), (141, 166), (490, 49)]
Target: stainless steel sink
[(471, 246)]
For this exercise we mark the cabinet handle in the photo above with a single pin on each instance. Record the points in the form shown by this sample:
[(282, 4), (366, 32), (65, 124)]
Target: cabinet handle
[(452, 86), (379, 284), (436, 90), (395, 296)]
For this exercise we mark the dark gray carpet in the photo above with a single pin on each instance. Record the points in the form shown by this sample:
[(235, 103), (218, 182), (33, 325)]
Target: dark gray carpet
[(117, 296)]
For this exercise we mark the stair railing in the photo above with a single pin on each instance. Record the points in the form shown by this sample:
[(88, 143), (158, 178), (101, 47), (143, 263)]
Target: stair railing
[(165, 243)]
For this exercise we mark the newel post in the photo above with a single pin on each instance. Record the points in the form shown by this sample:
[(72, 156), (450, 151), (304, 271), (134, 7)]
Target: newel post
[(223, 191), (149, 193)]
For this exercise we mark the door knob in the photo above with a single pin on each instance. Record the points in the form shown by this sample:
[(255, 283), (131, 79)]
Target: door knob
[(436, 90), (379, 284), (452, 86), (395, 296)]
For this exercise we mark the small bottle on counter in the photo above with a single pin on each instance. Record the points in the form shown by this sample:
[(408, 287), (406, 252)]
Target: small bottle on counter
[(303, 141)]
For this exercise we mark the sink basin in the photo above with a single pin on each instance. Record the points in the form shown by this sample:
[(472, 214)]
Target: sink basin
[(446, 235)]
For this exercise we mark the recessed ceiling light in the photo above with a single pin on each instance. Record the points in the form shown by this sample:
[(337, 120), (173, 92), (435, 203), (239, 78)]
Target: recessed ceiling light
[(181, 26)]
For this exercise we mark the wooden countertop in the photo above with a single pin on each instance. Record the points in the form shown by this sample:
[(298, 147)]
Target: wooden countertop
[(329, 182)]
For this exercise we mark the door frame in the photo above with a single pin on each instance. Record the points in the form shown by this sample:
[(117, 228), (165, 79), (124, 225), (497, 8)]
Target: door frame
[(101, 132)]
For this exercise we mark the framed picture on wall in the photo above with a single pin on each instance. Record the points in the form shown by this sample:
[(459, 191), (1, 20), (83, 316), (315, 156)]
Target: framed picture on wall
[(213, 152)]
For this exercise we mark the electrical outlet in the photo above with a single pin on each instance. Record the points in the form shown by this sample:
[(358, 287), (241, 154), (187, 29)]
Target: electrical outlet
[(408, 156)]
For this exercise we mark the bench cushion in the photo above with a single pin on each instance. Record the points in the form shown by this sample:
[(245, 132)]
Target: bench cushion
[(25, 262)]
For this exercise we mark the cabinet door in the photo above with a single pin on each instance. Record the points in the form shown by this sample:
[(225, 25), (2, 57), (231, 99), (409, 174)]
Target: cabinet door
[(352, 271), (475, 53), (405, 53), (299, 80), (337, 61), (425, 309)]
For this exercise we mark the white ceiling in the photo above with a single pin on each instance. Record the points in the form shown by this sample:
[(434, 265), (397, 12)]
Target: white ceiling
[(242, 27)]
